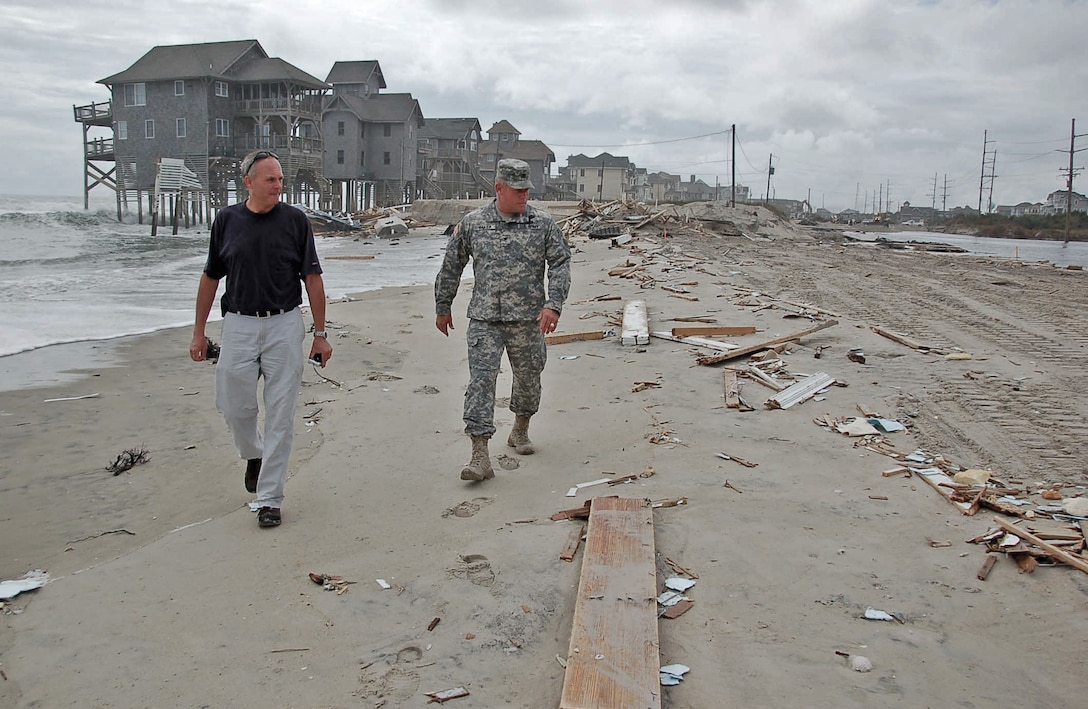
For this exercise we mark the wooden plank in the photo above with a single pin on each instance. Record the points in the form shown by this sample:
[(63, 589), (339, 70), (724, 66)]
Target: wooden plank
[(732, 389), (574, 540), (1059, 554), (697, 341), (717, 330), (558, 339), (715, 359), (635, 323), (799, 392), (614, 656)]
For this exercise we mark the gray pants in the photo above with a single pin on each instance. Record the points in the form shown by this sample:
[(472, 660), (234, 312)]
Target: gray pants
[(270, 348), (524, 345)]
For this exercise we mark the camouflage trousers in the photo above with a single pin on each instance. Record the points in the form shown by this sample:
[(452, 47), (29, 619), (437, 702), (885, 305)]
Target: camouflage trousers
[(524, 345)]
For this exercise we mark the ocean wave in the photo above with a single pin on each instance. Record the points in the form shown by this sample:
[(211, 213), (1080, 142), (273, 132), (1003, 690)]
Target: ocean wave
[(74, 220)]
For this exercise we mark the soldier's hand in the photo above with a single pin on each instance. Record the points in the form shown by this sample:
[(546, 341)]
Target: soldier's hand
[(548, 319), (444, 323)]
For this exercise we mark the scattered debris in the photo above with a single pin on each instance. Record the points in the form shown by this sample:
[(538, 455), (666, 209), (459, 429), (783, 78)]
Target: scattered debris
[(801, 391), (671, 675), (29, 581), (736, 459), (72, 398), (331, 583), (875, 614), (128, 459), (445, 695)]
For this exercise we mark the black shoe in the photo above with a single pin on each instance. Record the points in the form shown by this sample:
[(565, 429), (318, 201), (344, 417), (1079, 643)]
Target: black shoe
[(268, 517), (253, 471)]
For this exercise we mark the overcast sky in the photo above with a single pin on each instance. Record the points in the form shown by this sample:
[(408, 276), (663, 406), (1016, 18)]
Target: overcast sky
[(851, 100)]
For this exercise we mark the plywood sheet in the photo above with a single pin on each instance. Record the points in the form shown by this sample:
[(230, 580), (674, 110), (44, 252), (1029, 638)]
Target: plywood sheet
[(614, 658)]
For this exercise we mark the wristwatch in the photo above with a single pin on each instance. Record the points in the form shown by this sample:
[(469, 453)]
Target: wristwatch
[(321, 333)]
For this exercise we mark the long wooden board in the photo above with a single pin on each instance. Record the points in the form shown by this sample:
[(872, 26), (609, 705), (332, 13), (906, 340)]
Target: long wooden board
[(614, 658), (715, 359), (730, 330)]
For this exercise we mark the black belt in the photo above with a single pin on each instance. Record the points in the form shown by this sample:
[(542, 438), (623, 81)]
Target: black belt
[(260, 313)]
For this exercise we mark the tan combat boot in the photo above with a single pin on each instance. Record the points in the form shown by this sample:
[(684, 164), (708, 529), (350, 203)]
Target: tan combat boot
[(519, 436), (479, 468)]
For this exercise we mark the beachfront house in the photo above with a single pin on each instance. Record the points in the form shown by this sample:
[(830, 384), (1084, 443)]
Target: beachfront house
[(602, 178), (504, 141), (449, 151), (208, 105)]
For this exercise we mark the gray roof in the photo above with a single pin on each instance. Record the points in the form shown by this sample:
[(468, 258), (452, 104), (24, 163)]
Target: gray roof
[(355, 72), (275, 69), (503, 126), (449, 128), (216, 60), (602, 160), (186, 61), (380, 108), (524, 150)]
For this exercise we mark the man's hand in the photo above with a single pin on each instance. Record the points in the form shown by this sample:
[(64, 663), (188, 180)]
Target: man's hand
[(198, 347), (444, 323), (548, 319), (321, 346)]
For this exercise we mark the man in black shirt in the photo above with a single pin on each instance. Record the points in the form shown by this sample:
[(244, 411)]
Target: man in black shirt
[(266, 251)]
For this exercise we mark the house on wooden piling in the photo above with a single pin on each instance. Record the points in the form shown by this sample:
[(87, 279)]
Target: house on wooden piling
[(371, 151), (505, 141), (208, 105), (449, 150)]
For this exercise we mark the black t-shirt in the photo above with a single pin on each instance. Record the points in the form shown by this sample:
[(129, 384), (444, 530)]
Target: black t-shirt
[(264, 257)]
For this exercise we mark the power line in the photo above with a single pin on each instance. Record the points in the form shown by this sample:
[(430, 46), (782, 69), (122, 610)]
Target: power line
[(639, 145)]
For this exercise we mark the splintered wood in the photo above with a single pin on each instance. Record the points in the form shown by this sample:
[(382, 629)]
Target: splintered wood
[(614, 658)]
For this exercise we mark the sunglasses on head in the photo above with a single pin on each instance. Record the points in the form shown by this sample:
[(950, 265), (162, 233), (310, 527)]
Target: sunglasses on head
[(259, 156)]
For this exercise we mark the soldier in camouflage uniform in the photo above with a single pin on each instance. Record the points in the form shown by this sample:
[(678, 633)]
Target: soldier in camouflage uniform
[(510, 243)]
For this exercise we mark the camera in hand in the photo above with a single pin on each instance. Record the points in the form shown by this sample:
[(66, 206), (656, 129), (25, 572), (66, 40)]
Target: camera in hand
[(212, 352), (316, 359)]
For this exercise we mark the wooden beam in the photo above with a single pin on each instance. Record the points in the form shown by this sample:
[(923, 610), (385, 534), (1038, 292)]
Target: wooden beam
[(558, 339), (715, 359), (614, 656), (717, 330), (1059, 554), (635, 324)]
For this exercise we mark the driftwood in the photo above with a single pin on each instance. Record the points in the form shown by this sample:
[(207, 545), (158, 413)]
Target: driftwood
[(128, 459), (1053, 551), (715, 359)]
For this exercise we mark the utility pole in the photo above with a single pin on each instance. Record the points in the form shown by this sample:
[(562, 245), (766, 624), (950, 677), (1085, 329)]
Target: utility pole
[(933, 194), (1069, 177), (857, 193), (986, 159), (733, 160), (770, 171), (944, 195)]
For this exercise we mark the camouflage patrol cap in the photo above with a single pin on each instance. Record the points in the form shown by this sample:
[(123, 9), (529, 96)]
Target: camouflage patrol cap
[(514, 173)]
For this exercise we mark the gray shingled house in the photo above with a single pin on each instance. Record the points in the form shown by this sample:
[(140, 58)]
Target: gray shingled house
[(371, 138), (209, 104), (450, 152), (504, 141)]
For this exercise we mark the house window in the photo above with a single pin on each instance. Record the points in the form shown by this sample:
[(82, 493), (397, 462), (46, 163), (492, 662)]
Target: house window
[(179, 88), (122, 130), (362, 158), (385, 158), (339, 157), (136, 94), (339, 127), (222, 128), (221, 89), (582, 172), (181, 127), (387, 130), (582, 188), (362, 130), (149, 128)]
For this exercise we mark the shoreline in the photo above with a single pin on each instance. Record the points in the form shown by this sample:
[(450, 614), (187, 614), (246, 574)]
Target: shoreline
[(789, 555)]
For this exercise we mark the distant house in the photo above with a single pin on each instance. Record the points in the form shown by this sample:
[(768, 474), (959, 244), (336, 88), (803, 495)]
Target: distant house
[(1019, 210), (449, 150), (371, 138), (602, 178), (210, 104), (1056, 202), (694, 190), (504, 141)]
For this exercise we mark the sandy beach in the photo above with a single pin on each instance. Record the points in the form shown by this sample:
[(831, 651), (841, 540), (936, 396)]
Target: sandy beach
[(164, 593)]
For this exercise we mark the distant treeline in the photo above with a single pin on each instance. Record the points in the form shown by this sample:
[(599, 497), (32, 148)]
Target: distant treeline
[(1029, 226)]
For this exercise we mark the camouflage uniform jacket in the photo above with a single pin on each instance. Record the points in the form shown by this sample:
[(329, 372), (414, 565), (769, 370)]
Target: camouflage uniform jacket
[(508, 261)]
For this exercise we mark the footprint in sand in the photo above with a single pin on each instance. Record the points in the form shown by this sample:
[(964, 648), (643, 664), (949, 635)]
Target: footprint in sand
[(467, 508), (476, 568), (508, 463), (401, 681)]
